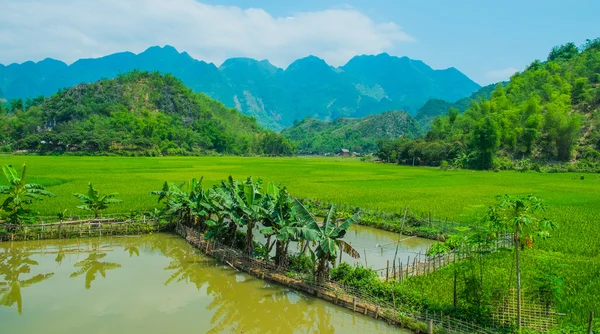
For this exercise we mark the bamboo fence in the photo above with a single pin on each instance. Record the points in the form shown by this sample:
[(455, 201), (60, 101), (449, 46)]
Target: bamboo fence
[(77, 229), (345, 296)]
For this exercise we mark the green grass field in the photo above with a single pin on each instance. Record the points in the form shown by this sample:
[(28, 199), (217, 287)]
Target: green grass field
[(457, 195), (573, 202)]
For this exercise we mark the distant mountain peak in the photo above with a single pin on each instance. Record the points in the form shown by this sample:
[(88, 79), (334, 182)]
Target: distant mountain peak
[(309, 86), (312, 62)]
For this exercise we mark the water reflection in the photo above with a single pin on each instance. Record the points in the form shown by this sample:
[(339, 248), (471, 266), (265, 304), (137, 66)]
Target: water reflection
[(153, 283), (93, 265), (15, 262)]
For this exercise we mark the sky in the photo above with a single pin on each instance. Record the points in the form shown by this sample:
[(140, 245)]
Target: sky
[(486, 40)]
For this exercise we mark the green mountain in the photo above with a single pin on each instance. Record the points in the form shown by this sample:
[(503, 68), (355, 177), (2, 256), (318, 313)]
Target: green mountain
[(361, 135), (548, 113), (436, 107), (275, 97), (135, 113)]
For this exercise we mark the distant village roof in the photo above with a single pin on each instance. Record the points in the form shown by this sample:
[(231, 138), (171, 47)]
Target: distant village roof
[(345, 150)]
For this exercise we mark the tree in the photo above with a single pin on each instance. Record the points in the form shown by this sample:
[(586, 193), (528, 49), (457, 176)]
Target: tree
[(249, 202), (518, 214), (19, 194), (280, 221), (328, 237), (93, 201), (563, 52), (486, 139)]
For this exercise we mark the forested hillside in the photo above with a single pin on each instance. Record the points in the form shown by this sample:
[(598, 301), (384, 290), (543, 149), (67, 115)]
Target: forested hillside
[(436, 107), (360, 135), (548, 113), (276, 97), (136, 113)]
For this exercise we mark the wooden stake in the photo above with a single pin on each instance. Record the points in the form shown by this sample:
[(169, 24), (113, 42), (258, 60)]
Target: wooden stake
[(591, 323), (387, 271)]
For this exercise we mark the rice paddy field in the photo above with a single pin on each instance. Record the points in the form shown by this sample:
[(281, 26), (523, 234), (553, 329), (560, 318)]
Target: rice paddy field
[(573, 199)]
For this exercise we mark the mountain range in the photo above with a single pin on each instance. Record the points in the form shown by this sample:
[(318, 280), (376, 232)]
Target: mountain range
[(276, 97)]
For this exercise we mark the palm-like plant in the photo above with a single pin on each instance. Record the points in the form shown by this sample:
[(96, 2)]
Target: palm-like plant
[(280, 221), (93, 201), (221, 205), (248, 207), (19, 194), (518, 214), (186, 205), (328, 236)]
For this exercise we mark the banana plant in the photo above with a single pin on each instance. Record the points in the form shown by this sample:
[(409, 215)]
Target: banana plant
[(328, 237), (187, 206), (280, 221), (93, 201), (248, 207), (19, 194), (221, 206)]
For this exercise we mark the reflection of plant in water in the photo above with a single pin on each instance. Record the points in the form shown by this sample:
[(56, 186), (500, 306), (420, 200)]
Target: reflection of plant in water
[(130, 246), (187, 265), (91, 266), (281, 311), (15, 261), (235, 302)]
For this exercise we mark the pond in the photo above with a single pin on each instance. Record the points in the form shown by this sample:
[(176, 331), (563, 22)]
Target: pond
[(377, 246), (151, 284)]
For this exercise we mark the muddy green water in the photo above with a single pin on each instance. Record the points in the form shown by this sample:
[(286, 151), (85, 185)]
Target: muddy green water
[(150, 284)]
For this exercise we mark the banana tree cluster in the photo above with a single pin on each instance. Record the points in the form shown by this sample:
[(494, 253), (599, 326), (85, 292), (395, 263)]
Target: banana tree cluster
[(19, 194), (231, 206)]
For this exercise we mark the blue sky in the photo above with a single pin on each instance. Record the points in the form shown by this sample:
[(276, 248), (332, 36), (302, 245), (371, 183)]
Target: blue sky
[(484, 39), (487, 40)]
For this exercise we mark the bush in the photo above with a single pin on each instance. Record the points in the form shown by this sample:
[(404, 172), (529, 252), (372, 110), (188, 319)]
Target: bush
[(301, 263)]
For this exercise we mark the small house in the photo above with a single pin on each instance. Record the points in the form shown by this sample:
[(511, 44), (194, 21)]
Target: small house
[(345, 152)]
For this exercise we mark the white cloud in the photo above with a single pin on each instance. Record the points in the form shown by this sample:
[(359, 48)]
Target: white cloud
[(73, 29), (502, 74)]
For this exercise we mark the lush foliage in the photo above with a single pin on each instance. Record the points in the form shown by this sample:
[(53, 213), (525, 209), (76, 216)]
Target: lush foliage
[(93, 201), (18, 195), (242, 204), (355, 134), (549, 112), (436, 107), (136, 113)]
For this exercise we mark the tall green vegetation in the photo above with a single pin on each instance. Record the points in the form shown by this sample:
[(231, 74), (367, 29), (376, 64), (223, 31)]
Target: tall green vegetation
[(356, 134), (328, 236), (238, 204), (18, 195), (94, 201), (518, 214), (137, 113), (549, 112)]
